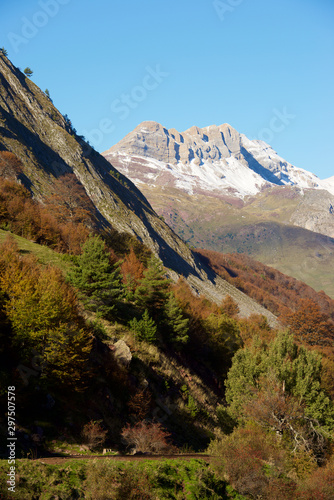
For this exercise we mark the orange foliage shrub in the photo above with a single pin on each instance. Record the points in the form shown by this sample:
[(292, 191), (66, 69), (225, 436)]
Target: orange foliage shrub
[(309, 324), (253, 461), (94, 434), (10, 165), (197, 307), (69, 201), (147, 437)]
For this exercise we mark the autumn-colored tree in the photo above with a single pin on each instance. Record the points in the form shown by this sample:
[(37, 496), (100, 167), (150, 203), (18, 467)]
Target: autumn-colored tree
[(146, 437), (10, 165), (132, 273), (49, 232), (196, 307), (253, 462), (69, 201), (18, 212), (139, 404), (66, 357), (73, 236), (38, 300), (229, 306), (94, 434), (310, 325), (256, 325)]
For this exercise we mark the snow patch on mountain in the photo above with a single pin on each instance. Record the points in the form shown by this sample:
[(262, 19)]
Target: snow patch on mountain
[(328, 184)]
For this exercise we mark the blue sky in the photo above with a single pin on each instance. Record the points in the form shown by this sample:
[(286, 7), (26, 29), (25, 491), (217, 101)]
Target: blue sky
[(266, 67)]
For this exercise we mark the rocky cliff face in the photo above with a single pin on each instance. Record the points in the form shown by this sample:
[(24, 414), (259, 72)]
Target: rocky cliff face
[(44, 140)]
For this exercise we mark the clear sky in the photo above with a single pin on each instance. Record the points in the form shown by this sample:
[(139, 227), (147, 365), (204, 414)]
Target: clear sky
[(266, 67)]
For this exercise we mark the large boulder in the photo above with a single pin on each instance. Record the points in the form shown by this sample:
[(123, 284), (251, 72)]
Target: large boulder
[(122, 353)]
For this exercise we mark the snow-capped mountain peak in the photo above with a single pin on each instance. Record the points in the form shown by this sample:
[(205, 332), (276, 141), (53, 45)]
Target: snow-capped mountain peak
[(216, 160)]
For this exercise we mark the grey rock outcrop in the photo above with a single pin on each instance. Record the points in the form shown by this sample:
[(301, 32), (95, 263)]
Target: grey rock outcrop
[(122, 353)]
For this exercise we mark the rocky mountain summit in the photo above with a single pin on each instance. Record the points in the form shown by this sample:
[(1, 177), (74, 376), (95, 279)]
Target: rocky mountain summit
[(216, 160), (222, 191)]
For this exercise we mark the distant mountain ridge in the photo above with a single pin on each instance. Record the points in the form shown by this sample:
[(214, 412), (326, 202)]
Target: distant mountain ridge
[(216, 160)]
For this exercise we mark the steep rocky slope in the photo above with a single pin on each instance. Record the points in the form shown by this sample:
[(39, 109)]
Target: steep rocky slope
[(48, 146)]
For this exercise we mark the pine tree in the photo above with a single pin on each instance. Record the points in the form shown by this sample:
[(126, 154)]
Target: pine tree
[(297, 369), (145, 328), (153, 289), (177, 325), (97, 280), (28, 72)]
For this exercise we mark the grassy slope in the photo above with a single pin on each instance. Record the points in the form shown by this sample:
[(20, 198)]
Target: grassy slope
[(259, 228), (44, 254)]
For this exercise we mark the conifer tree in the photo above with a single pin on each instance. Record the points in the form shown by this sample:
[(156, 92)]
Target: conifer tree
[(97, 280), (153, 289), (145, 328), (177, 325), (297, 369), (28, 72)]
